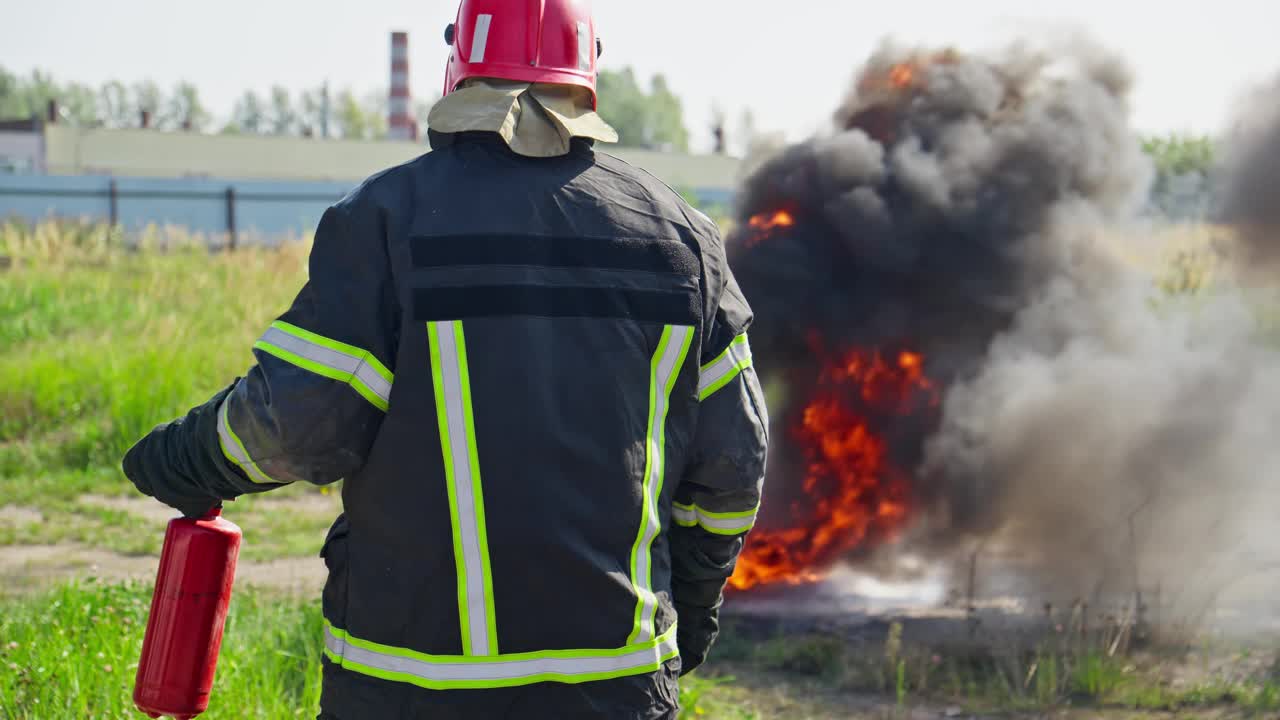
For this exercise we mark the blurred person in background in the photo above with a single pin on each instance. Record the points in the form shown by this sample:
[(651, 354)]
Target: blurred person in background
[(528, 360)]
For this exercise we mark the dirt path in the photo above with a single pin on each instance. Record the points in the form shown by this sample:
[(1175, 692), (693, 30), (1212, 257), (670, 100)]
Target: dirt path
[(24, 568), (32, 566)]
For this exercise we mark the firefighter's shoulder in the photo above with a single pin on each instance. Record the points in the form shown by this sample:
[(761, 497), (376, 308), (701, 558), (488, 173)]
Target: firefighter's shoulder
[(389, 184), (658, 188)]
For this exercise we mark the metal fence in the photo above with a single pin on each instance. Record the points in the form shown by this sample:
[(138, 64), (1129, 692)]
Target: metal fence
[(242, 211)]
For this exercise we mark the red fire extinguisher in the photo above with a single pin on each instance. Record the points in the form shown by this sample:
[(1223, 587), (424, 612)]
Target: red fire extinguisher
[(188, 611)]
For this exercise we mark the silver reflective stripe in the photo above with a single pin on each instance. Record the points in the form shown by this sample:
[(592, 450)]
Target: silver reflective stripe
[(717, 373), (684, 515), (464, 484), (584, 47), (235, 451), (721, 523), (356, 366), (444, 672), (668, 366), (480, 39)]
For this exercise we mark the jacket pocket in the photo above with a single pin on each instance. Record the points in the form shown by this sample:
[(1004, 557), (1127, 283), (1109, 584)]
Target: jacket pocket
[(335, 554)]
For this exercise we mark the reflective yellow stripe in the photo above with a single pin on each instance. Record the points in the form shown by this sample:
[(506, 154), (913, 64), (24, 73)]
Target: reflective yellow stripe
[(664, 369), (721, 371), (461, 672), (330, 358), (235, 451), (720, 523), (451, 379)]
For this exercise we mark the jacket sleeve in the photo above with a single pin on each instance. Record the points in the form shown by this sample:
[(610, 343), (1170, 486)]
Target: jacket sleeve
[(719, 495), (310, 408)]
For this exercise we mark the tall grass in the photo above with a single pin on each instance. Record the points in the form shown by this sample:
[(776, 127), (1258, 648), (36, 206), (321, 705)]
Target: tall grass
[(73, 653), (99, 342)]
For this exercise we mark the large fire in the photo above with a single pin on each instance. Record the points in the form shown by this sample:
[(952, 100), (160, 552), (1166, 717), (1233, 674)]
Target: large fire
[(853, 492)]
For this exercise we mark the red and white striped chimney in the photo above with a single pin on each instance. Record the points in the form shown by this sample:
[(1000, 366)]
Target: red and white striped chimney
[(400, 122)]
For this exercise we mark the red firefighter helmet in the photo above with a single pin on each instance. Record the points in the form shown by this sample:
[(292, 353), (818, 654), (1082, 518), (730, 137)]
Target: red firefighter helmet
[(545, 41)]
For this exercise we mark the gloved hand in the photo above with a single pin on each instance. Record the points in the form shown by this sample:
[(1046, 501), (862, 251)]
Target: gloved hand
[(696, 632), (143, 474), (174, 463)]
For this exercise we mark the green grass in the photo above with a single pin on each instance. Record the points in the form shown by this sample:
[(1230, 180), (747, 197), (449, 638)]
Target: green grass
[(101, 344), (72, 653)]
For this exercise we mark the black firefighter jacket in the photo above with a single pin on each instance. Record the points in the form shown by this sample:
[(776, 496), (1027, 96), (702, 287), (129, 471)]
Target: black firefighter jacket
[(534, 376)]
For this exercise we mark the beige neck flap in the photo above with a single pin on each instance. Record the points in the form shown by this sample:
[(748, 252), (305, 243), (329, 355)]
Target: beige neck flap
[(535, 120)]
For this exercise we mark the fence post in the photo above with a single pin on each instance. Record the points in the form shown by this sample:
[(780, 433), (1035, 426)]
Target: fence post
[(113, 203), (231, 218)]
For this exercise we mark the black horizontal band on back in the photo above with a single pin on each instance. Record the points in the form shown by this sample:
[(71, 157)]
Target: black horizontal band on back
[(646, 255), (461, 303)]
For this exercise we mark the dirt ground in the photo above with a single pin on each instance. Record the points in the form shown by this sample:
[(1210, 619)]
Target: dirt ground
[(29, 567)]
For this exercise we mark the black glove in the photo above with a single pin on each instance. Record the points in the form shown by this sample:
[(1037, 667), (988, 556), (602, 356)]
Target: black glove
[(696, 632), (136, 468), (175, 463)]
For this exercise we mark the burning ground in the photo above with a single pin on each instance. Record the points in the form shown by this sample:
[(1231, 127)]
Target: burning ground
[(956, 359)]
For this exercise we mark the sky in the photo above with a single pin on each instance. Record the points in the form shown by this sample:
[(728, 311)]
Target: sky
[(789, 62)]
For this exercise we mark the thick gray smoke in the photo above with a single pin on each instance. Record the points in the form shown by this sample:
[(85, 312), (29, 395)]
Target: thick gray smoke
[(1251, 187), (1094, 431)]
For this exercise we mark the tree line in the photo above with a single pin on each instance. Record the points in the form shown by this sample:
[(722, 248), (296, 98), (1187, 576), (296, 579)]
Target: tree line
[(650, 117), (647, 115)]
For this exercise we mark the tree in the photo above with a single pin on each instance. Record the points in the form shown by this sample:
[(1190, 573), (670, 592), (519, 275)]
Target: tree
[(652, 120), (375, 111), (148, 98), (666, 117), (282, 120), (1184, 166), (77, 104), (315, 113), (22, 98), (29, 97), (1175, 154), (623, 105), (114, 107), (351, 121), (249, 116), (12, 105), (184, 110)]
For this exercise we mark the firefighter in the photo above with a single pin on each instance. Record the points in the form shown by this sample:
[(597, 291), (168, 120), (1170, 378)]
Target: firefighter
[(528, 360)]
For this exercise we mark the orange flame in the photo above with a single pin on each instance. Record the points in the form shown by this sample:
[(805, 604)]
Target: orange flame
[(902, 74), (854, 492), (765, 223), (909, 74)]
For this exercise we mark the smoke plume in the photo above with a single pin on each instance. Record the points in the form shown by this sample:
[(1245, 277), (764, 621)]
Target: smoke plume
[(1253, 177), (976, 209)]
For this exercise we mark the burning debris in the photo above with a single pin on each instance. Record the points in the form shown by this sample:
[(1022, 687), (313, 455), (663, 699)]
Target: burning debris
[(855, 491), (952, 355)]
